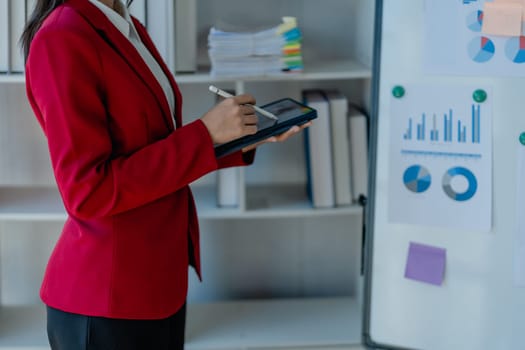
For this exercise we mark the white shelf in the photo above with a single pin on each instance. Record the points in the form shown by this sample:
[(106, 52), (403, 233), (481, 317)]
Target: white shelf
[(331, 323), (31, 203), (284, 323), (288, 201), (44, 204), (326, 70), (14, 78)]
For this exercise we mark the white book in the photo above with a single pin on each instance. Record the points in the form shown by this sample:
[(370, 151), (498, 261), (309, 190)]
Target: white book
[(4, 36), (228, 191), (185, 32), (160, 24), (340, 147), (138, 10), (358, 128), (319, 152), (30, 6), (17, 22)]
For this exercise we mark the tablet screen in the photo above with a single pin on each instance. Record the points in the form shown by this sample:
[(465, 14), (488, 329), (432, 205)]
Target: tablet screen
[(285, 110)]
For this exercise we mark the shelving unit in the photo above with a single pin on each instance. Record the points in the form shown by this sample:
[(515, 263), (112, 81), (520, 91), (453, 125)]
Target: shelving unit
[(278, 274)]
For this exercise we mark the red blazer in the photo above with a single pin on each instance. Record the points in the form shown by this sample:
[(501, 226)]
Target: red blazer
[(121, 168)]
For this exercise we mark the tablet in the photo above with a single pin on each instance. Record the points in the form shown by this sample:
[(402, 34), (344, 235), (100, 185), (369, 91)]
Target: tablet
[(289, 112)]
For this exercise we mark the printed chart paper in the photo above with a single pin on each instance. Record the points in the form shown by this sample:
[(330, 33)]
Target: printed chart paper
[(441, 157), (455, 42)]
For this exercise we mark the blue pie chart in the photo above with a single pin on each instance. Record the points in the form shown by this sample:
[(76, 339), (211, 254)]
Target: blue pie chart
[(481, 49), (417, 179), (515, 49), (451, 192), (475, 21)]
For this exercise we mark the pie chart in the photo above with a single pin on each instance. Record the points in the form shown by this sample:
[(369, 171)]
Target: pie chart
[(417, 178), (481, 49), (468, 176), (475, 20), (515, 49)]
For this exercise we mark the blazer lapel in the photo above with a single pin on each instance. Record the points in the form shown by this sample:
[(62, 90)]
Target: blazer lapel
[(151, 47), (125, 49)]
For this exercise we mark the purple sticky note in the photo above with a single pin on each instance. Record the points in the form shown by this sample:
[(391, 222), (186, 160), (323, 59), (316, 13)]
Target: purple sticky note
[(426, 263)]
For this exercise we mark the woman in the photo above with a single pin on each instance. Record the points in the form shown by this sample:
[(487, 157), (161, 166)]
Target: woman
[(111, 112)]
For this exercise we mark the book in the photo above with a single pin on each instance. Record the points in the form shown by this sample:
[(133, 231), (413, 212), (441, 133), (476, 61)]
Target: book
[(4, 36), (340, 147), (185, 36), (358, 130), (318, 151), (138, 10), (17, 18)]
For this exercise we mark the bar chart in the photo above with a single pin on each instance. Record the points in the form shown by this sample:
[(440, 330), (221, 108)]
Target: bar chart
[(445, 128)]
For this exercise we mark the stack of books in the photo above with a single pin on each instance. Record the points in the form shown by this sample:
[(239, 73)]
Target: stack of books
[(266, 52), (336, 148)]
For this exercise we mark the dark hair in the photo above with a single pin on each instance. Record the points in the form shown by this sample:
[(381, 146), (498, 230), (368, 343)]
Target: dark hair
[(42, 9)]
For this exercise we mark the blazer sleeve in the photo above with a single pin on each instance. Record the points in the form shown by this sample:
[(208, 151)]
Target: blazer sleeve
[(65, 85)]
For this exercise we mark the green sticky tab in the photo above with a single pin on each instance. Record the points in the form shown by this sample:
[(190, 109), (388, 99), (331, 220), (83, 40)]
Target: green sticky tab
[(479, 95), (522, 138), (398, 91)]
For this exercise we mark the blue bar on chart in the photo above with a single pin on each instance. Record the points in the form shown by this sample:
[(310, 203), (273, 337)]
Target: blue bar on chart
[(462, 133), (476, 116), (448, 126), (421, 129), (434, 133), (408, 134)]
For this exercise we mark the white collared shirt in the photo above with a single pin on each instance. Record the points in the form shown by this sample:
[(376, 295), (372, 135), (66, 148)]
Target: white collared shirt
[(126, 27)]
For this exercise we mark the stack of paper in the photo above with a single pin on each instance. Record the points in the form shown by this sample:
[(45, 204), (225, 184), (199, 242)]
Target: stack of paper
[(265, 52)]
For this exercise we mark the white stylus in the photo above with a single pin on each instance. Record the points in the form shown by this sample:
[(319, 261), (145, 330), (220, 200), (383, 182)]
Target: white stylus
[(224, 94)]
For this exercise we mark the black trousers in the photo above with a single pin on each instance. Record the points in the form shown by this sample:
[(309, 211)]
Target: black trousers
[(67, 331)]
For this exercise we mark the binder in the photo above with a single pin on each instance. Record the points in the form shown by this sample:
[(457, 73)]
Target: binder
[(318, 146), (358, 129), (30, 6), (160, 25), (340, 147), (4, 36), (185, 35), (17, 13)]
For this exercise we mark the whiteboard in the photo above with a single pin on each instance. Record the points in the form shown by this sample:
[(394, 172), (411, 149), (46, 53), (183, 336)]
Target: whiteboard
[(478, 305)]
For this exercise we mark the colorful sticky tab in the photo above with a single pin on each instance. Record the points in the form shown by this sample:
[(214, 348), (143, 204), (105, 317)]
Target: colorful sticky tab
[(502, 19), (426, 263)]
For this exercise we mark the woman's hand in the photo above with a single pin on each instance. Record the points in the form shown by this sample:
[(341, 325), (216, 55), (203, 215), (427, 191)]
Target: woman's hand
[(279, 138), (231, 118)]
